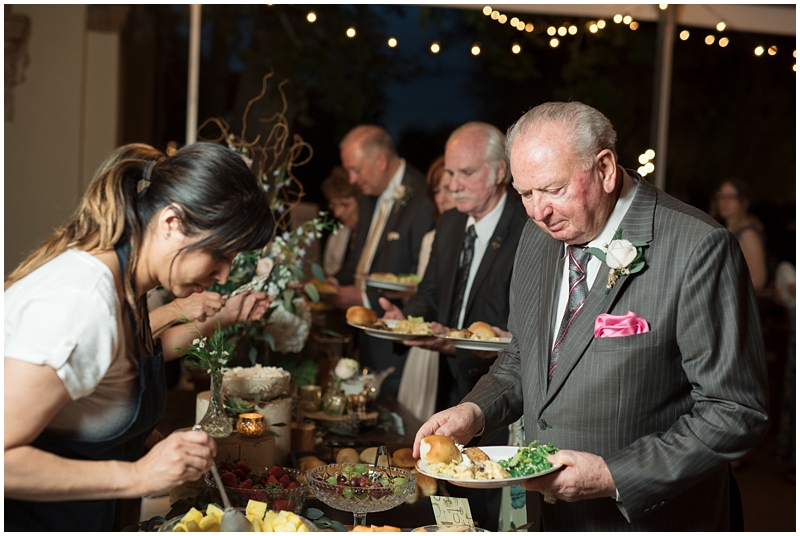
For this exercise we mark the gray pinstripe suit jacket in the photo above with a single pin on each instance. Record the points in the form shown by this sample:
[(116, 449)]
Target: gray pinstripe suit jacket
[(668, 409)]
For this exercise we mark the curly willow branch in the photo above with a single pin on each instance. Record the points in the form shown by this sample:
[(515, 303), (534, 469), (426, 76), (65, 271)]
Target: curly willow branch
[(272, 160)]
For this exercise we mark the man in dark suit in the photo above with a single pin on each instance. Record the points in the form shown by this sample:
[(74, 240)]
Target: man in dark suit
[(394, 215), (646, 368), (476, 162)]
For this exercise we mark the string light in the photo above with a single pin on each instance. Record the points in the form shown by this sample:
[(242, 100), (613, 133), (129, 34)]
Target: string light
[(627, 19), (554, 42), (476, 49), (551, 31), (647, 166), (601, 24), (520, 26), (435, 47), (502, 19), (650, 154), (562, 31), (794, 53), (529, 27), (709, 39), (634, 25), (662, 7), (351, 32), (772, 50), (487, 10), (617, 18), (724, 42), (759, 50), (593, 27), (720, 26), (495, 15), (392, 42), (516, 49), (794, 68), (311, 17), (573, 30), (684, 35), (514, 21)]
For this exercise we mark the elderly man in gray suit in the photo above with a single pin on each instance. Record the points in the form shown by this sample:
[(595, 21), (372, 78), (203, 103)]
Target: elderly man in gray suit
[(646, 368)]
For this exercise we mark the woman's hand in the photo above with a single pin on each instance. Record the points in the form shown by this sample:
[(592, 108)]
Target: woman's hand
[(181, 457), (246, 307)]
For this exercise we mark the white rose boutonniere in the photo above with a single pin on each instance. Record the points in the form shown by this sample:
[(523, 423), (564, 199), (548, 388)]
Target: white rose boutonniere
[(400, 195), (623, 257)]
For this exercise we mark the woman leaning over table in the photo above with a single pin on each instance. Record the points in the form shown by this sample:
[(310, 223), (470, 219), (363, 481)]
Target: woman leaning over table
[(84, 383)]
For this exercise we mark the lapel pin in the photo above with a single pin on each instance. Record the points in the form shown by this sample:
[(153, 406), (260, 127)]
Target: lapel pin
[(495, 244)]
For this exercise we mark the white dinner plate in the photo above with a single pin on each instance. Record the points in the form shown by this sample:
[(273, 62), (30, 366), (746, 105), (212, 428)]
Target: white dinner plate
[(473, 344), (385, 285), (390, 335), (495, 454)]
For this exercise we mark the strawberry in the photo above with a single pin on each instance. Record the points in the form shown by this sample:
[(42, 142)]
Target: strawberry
[(225, 465), (272, 480), (229, 480), (247, 484), (280, 504), (240, 475), (291, 485), (284, 480), (244, 466), (276, 471)]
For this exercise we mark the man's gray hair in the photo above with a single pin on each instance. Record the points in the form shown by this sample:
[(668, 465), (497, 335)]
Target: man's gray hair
[(495, 151), (589, 130), (370, 138)]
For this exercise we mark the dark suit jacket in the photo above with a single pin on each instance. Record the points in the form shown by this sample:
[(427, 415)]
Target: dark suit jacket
[(667, 409), (488, 297), (396, 253)]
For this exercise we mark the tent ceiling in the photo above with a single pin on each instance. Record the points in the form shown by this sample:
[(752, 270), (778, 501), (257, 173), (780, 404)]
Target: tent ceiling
[(769, 19)]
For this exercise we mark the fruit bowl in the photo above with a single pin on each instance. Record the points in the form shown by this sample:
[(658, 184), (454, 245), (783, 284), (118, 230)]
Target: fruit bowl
[(361, 488), (286, 490)]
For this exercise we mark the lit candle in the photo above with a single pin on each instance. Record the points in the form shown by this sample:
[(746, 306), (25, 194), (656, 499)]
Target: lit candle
[(251, 425)]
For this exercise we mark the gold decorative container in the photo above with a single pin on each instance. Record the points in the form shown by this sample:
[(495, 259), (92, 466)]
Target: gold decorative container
[(251, 425)]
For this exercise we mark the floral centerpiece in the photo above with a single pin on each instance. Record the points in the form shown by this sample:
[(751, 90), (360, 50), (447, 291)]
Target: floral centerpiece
[(278, 268)]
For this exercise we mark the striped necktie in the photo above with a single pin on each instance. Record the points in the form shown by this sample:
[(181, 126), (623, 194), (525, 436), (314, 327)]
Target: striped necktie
[(578, 290)]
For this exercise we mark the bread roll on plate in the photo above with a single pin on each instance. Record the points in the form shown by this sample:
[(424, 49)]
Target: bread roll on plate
[(482, 330), (439, 449), (361, 316), (347, 456), (426, 484)]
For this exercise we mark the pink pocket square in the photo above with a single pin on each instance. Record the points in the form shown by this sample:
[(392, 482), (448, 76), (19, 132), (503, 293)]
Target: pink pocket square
[(606, 325)]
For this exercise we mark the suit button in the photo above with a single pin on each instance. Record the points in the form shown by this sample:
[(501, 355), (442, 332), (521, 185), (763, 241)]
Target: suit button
[(542, 424)]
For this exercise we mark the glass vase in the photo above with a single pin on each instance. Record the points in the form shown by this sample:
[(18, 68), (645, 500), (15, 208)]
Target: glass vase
[(215, 422)]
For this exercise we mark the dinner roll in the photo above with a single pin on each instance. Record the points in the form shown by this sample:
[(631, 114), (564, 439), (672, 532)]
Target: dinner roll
[(439, 449), (309, 462), (347, 456), (404, 458), (361, 316), (414, 497), (368, 456), (427, 484), (482, 330)]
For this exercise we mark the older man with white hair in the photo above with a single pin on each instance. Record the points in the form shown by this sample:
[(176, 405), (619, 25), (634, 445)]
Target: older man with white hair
[(636, 351)]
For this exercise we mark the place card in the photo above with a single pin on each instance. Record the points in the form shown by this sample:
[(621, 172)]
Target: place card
[(451, 511)]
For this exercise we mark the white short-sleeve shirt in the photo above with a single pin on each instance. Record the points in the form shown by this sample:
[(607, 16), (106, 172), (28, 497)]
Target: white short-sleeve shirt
[(66, 315)]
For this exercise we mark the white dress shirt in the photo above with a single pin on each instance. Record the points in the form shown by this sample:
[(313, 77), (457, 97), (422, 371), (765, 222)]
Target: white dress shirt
[(484, 231)]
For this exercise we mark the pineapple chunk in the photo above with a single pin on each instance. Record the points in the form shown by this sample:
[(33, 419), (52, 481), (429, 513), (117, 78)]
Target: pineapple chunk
[(216, 511), (192, 515), (210, 523), (255, 509), (193, 526), (179, 527)]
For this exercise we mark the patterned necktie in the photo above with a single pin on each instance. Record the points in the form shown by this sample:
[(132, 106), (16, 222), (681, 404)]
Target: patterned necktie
[(368, 253), (578, 290), (467, 251)]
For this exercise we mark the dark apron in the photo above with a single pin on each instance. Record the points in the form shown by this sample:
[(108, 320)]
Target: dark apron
[(126, 445)]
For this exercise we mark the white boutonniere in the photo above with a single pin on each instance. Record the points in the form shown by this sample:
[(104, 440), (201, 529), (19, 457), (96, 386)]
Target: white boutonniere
[(623, 257), (400, 195)]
